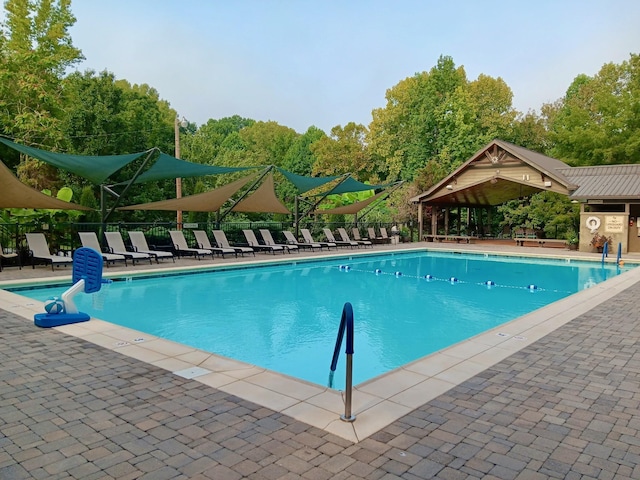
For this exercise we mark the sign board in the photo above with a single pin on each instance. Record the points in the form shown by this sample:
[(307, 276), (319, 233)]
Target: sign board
[(614, 223), (189, 225)]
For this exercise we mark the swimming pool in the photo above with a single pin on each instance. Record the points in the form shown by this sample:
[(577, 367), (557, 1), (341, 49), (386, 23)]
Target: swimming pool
[(285, 318)]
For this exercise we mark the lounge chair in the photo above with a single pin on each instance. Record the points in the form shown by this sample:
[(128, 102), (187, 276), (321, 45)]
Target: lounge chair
[(39, 250), (90, 240), (221, 240), (306, 234), (377, 239), (329, 234), (203, 242), (116, 246), (355, 233), (8, 256), (253, 242), (181, 247), (139, 244), (292, 240), (383, 233), (345, 238), (268, 240)]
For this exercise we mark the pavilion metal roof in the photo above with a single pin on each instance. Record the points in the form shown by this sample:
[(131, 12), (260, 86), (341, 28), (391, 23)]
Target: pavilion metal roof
[(605, 182)]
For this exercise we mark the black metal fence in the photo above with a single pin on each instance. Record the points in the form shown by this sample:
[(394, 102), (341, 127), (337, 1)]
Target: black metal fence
[(64, 236)]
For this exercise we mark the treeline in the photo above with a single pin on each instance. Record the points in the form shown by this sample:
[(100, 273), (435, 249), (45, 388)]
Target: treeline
[(431, 123)]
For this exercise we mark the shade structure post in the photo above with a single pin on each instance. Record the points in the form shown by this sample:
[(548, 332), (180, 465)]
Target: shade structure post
[(178, 179)]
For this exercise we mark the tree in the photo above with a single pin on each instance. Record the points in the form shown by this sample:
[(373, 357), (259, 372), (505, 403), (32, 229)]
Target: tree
[(35, 52), (106, 116), (344, 151), (529, 131), (598, 120), (207, 143), (300, 158), (546, 211), (439, 116)]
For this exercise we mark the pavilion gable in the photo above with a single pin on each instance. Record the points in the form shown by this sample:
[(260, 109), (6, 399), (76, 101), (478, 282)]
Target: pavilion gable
[(497, 173)]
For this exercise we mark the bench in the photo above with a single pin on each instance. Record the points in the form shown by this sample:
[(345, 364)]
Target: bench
[(542, 242), (449, 238)]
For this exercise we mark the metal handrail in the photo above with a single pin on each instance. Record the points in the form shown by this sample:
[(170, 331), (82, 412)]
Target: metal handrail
[(346, 324)]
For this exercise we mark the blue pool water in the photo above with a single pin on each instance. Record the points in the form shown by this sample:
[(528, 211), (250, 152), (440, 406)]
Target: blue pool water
[(286, 317)]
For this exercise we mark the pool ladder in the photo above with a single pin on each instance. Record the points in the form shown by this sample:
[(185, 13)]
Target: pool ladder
[(346, 325)]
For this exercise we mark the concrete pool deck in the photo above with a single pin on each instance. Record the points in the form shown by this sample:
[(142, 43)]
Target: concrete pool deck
[(553, 394)]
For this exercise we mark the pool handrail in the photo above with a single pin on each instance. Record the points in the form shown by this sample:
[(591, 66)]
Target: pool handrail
[(346, 324)]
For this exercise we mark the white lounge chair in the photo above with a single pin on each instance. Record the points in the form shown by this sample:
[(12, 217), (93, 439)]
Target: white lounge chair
[(9, 256), (90, 240), (306, 234), (268, 240), (345, 238), (139, 244), (221, 240), (39, 250), (253, 243), (116, 246), (292, 240), (203, 242), (181, 247), (356, 236), (329, 234), (378, 239)]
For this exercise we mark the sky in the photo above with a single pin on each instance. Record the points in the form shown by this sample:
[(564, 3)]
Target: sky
[(324, 63)]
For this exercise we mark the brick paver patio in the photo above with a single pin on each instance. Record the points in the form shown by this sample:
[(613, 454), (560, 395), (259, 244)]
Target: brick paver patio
[(566, 406)]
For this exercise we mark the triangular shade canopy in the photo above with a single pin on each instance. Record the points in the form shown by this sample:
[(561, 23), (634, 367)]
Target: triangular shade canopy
[(304, 184), (352, 185), (94, 168), (202, 202), (15, 194), (167, 166), (262, 200)]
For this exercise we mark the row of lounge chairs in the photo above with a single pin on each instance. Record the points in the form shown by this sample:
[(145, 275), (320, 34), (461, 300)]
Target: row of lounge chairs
[(140, 251)]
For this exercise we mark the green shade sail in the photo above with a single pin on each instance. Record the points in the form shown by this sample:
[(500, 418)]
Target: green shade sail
[(304, 184), (94, 168), (352, 185), (167, 166)]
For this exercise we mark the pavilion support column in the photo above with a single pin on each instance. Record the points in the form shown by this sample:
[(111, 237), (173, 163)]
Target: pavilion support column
[(459, 218), (420, 209), (434, 220), (489, 220), (468, 220), (446, 220)]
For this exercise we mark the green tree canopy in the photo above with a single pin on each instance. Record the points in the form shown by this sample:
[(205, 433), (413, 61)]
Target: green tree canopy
[(35, 51), (598, 120), (439, 116)]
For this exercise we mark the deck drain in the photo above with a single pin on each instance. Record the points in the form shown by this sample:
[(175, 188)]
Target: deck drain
[(192, 372)]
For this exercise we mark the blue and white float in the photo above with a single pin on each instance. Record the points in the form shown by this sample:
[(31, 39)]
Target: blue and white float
[(87, 278)]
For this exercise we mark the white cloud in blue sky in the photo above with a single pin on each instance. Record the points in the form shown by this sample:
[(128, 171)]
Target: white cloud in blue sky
[(327, 63)]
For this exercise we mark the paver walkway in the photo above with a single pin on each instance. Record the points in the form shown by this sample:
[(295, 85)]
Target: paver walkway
[(566, 406)]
